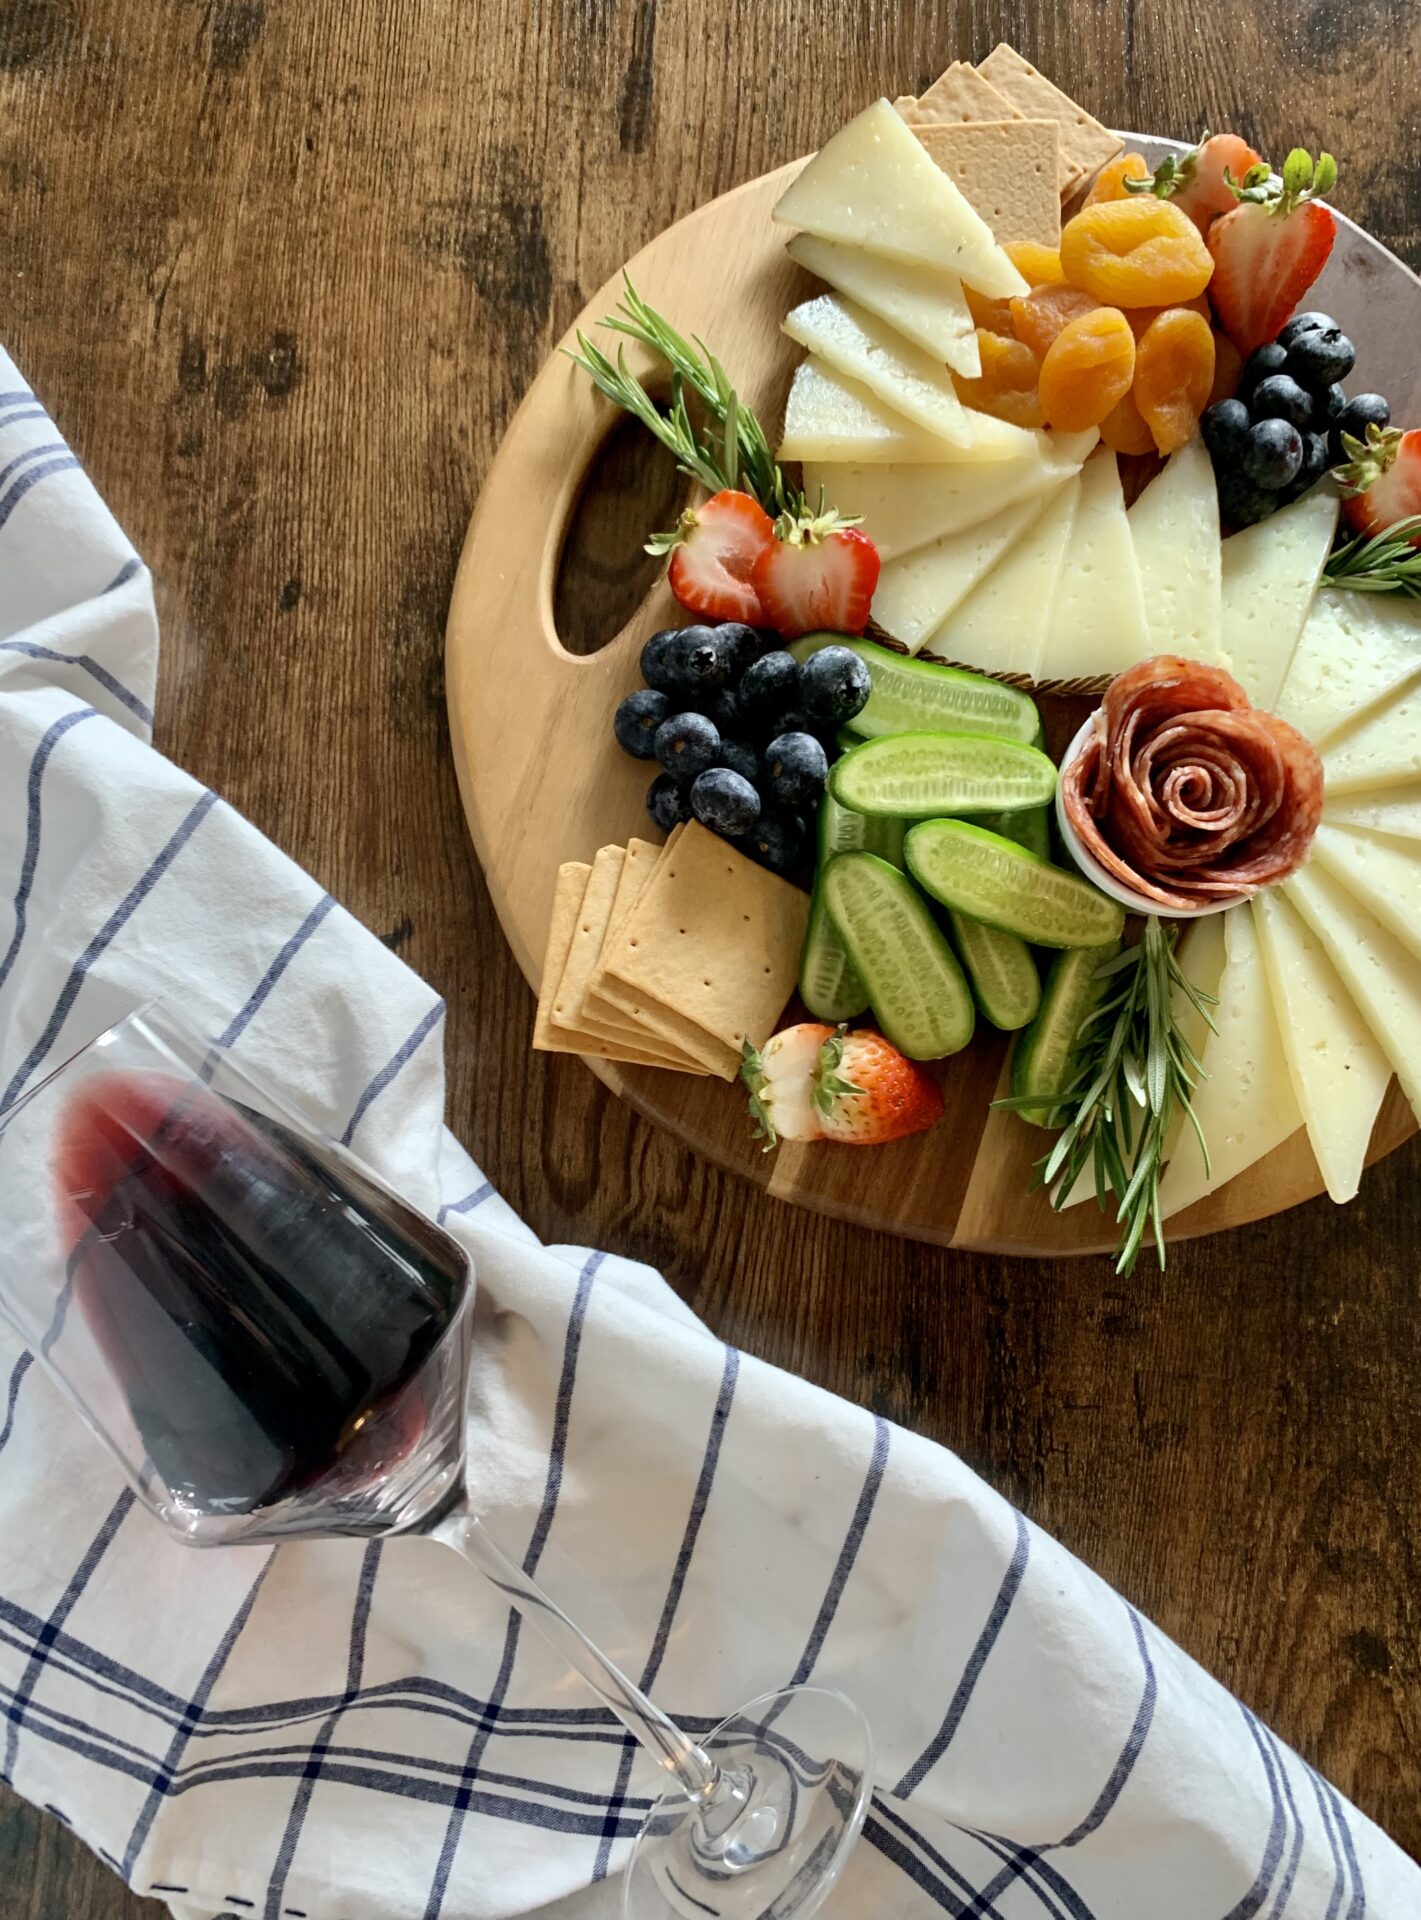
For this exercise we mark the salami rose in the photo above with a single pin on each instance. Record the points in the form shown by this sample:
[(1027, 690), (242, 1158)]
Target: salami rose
[(1186, 793)]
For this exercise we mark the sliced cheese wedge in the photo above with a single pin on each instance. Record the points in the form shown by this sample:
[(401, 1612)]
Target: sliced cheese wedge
[(1270, 574), (903, 508), (1392, 810), (1247, 1106), (1378, 972), (925, 304), (1381, 749), (857, 344), (874, 186), (1340, 1074), (1001, 625), (915, 595), (1355, 652), (1097, 624), (1179, 550), (830, 418), (1385, 875)]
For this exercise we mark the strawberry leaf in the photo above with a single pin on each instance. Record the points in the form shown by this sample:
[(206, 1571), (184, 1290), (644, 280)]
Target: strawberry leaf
[(829, 1083), (752, 1072)]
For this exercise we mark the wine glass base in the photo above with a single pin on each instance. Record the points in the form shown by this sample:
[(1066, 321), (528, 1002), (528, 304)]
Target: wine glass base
[(800, 1767)]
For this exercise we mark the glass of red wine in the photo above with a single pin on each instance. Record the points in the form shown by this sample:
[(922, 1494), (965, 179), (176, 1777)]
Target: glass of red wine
[(273, 1343)]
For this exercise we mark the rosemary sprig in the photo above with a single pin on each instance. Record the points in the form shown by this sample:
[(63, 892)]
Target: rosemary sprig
[(730, 449), (1136, 1072), (1385, 563)]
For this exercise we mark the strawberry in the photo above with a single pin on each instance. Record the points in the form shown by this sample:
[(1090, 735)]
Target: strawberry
[(1198, 182), (813, 1082), (1271, 248), (818, 573), (714, 549), (1380, 481)]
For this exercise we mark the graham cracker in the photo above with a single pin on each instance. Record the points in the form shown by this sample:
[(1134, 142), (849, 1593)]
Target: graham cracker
[(960, 94), (1085, 145), (1007, 169)]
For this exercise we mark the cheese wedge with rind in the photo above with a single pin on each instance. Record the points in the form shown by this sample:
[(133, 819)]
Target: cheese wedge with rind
[(1390, 810), (1097, 625), (873, 185), (1270, 574), (1247, 1106), (1340, 1075), (1377, 970), (1355, 652), (1381, 749), (925, 304), (915, 594), (1179, 551), (829, 418), (1001, 625), (859, 345)]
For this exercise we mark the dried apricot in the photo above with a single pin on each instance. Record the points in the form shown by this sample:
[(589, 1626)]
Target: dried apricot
[(1142, 317), (1124, 430), (993, 316), (1039, 266), (1110, 181), (1089, 368), (1174, 372), (1136, 253), (1037, 317), (1007, 386), (1228, 368)]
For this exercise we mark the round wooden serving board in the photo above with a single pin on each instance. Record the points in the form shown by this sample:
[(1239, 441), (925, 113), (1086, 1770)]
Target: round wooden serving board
[(542, 781)]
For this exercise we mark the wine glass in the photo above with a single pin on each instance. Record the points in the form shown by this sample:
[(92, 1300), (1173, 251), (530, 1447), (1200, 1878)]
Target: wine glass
[(272, 1343)]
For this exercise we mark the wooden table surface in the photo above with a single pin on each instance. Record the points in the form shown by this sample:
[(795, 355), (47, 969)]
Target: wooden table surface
[(281, 272)]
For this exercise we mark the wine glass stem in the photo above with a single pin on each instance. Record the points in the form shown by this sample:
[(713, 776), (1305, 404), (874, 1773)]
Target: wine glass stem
[(698, 1776)]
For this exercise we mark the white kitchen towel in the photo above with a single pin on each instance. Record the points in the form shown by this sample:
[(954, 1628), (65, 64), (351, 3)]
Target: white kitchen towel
[(340, 1732)]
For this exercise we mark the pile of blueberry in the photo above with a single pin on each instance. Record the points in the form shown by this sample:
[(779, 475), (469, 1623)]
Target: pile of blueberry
[(742, 731), (1283, 429)]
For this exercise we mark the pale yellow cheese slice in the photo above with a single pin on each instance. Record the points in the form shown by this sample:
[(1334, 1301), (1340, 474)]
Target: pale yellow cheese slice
[(873, 186), (1270, 574), (1381, 749), (925, 304), (1001, 625), (830, 418), (1179, 551), (1097, 624), (1340, 1074), (915, 594), (1382, 872), (1391, 810), (1356, 651), (859, 345)]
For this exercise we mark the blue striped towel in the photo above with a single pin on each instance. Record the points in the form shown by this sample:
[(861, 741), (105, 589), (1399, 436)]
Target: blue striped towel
[(333, 1731)]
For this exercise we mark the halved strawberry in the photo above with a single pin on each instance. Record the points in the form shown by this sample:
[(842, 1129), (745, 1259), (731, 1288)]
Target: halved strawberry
[(818, 573), (868, 1094), (1271, 248), (714, 548), (1380, 481), (1198, 182), (782, 1081)]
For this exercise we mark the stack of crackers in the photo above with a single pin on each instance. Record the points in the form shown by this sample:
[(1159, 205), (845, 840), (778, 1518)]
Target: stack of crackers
[(669, 956), (1016, 146)]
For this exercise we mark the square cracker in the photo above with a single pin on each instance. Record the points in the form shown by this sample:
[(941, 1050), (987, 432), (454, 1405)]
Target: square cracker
[(1007, 170), (955, 96), (1085, 144), (599, 1017), (716, 938), (588, 932)]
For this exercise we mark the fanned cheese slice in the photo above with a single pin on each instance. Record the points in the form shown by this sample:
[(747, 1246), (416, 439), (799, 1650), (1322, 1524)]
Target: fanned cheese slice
[(1393, 810), (903, 508), (874, 186), (1001, 625), (1270, 574), (1385, 875), (1097, 623), (1381, 749), (1340, 1074), (1179, 550), (1378, 972), (914, 595), (925, 304), (830, 418), (1356, 651), (859, 345), (1247, 1106)]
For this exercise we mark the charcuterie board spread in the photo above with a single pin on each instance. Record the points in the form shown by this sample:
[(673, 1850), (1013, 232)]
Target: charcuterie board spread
[(1003, 823)]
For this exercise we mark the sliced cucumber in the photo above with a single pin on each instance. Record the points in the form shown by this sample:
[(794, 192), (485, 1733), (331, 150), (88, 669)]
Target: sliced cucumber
[(829, 984), (1004, 979), (841, 830), (1030, 828), (916, 696), (921, 775), (1043, 1059), (994, 880), (915, 986)]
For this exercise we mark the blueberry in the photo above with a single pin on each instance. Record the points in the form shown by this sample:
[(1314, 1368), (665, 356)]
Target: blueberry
[(1363, 410), (668, 802), (637, 719), (834, 685), (686, 744), (1279, 397), (1330, 405), (1320, 356), (769, 687), (698, 663), (655, 659), (1302, 323), (796, 767), (1272, 454), (742, 643), (1259, 364), (725, 802), (1225, 427), (796, 720), (1241, 504), (723, 706), (741, 758), (776, 841), (1314, 466)]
